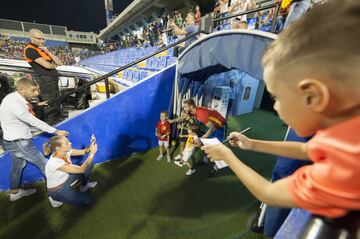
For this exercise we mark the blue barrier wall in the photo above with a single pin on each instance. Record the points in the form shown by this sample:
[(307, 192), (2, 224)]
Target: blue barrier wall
[(123, 124)]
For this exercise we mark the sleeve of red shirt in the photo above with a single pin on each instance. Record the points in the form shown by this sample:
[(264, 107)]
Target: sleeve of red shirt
[(202, 115)]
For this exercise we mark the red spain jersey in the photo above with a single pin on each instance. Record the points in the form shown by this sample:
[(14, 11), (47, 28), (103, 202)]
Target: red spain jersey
[(163, 128), (204, 115)]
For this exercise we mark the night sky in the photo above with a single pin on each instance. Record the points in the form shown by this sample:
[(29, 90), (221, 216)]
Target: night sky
[(78, 15)]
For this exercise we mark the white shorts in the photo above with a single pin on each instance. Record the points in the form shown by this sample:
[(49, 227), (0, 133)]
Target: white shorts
[(165, 143), (239, 19), (186, 155)]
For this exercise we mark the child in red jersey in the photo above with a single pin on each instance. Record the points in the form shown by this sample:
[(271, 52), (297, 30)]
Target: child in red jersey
[(163, 133)]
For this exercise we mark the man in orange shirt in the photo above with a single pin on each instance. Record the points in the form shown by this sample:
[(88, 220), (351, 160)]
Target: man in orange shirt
[(314, 81), (44, 64)]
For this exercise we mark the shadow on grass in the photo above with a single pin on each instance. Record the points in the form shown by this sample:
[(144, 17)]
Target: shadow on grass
[(33, 217), (194, 198)]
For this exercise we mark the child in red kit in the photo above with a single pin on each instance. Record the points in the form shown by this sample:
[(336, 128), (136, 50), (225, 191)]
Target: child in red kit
[(163, 133)]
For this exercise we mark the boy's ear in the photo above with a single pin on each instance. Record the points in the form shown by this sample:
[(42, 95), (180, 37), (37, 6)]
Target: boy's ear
[(315, 94)]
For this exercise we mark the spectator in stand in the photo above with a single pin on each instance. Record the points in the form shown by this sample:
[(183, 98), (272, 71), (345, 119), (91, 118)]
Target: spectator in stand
[(197, 15), (168, 19), (224, 7), (217, 9), (266, 17), (190, 29), (179, 20), (297, 9), (216, 13), (251, 6), (239, 6)]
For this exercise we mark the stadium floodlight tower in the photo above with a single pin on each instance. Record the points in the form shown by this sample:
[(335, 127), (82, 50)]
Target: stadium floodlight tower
[(109, 11)]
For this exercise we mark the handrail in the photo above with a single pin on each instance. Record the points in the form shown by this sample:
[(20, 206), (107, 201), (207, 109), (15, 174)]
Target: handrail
[(265, 1), (247, 12), (105, 77)]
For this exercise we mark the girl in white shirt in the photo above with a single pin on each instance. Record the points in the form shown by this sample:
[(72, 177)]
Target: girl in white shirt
[(61, 174)]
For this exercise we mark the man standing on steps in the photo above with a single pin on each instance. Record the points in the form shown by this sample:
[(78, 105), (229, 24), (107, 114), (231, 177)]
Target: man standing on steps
[(44, 64), (16, 118)]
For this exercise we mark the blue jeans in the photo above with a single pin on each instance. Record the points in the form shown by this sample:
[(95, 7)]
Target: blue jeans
[(23, 151), (297, 9), (69, 195)]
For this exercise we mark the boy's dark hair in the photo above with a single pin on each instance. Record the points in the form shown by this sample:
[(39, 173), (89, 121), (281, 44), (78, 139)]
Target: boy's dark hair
[(194, 128), (190, 102), (322, 43)]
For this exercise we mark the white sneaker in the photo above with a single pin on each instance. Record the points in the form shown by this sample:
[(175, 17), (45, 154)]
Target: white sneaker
[(21, 193), (87, 186), (54, 203), (159, 157), (168, 159), (178, 157), (178, 163), (190, 171)]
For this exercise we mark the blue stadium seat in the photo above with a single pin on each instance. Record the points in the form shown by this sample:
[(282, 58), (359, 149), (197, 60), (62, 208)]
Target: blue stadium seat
[(162, 61), (155, 62), (171, 61), (143, 75), (136, 76), (171, 52)]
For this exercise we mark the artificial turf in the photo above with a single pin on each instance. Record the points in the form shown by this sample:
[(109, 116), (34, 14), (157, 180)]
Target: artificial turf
[(140, 198)]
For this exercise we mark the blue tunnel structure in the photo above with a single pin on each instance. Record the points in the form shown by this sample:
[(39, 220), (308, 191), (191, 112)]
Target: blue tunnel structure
[(228, 59)]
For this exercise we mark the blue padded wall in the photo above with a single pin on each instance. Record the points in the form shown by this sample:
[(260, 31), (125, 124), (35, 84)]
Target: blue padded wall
[(123, 124), (294, 224)]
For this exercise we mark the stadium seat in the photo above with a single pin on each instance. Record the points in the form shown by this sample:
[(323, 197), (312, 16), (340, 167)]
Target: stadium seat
[(171, 61), (162, 61), (143, 75), (251, 23)]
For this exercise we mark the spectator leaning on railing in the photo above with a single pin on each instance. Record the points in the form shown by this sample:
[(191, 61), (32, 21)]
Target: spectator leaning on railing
[(190, 29), (239, 6)]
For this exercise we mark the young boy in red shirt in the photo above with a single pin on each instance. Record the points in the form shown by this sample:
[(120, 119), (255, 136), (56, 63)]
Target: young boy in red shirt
[(312, 70), (162, 131)]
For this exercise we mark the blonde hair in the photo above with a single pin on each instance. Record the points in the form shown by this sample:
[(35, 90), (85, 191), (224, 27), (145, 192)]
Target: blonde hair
[(50, 147)]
